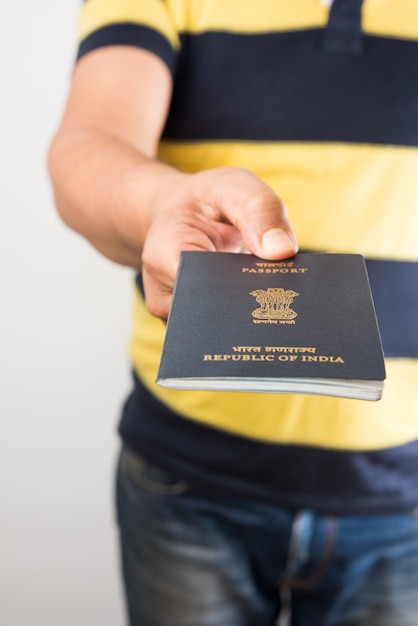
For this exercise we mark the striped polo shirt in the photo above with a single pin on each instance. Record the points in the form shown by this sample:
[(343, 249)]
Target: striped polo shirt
[(322, 104)]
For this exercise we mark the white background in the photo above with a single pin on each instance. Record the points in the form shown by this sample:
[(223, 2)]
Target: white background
[(64, 373)]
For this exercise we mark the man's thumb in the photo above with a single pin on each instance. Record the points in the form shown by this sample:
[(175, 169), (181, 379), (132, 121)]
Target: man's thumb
[(278, 241)]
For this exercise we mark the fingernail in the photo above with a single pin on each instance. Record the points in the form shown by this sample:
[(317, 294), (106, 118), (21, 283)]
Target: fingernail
[(276, 239)]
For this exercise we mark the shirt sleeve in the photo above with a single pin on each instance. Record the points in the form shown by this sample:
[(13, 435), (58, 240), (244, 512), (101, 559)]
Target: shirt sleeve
[(147, 24)]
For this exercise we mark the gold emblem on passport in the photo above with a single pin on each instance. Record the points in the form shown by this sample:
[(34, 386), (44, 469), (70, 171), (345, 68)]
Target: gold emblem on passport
[(274, 303)]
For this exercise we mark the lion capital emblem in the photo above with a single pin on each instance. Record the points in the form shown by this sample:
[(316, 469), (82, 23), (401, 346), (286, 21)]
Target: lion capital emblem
[(274, 303)]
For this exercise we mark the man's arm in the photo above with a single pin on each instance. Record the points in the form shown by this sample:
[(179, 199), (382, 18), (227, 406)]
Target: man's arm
[(101, 160), (137, 211)]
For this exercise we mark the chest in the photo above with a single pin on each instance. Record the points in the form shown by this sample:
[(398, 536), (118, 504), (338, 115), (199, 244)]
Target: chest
[(289, 84)]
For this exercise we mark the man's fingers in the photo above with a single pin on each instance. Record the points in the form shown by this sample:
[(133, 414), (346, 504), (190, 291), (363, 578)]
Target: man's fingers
[(229, 209), (255, 211)]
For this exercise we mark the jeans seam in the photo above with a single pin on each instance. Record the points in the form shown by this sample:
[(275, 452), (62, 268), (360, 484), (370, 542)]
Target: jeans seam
[(309, 582)]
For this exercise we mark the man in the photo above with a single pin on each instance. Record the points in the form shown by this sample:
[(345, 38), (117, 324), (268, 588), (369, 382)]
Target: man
[(188, 123)]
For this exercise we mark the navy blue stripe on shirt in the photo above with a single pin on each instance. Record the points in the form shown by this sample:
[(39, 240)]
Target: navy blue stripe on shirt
[(332, 481), (394, 286), (286, 87), (129, 34)]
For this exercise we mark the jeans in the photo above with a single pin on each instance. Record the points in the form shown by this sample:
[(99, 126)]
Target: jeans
[(193, 560)]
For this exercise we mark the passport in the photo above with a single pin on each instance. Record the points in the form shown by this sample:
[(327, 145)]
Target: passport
[(306, 324)]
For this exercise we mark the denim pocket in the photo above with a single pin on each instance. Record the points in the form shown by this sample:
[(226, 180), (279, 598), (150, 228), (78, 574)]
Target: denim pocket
[(151, 478)]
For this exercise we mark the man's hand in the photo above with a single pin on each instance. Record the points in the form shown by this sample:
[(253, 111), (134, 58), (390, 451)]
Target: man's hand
[(225, 209), (136, 210)]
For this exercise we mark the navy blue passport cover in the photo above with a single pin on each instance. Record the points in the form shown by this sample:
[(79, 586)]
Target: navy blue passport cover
[(237, 318)]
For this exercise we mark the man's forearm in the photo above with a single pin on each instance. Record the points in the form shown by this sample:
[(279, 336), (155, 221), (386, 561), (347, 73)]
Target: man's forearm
[(107, 191), (140, 212)]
